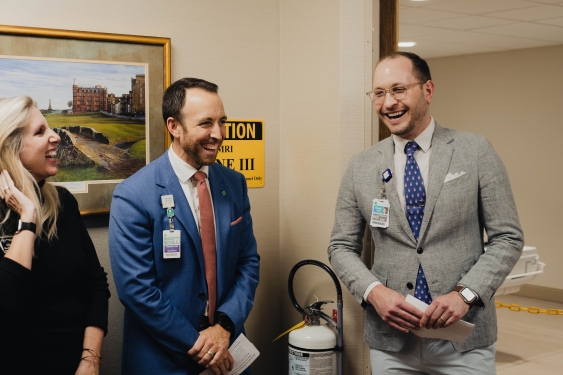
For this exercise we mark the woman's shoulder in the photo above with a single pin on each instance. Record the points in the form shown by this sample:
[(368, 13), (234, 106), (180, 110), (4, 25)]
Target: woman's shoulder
[(67, 200), (63, 192)]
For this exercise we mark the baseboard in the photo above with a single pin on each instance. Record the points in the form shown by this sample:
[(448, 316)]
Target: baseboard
[(541, 292)]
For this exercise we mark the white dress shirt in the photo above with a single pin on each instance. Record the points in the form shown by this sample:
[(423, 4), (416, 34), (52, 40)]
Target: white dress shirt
[(185, 174), (422, 157)]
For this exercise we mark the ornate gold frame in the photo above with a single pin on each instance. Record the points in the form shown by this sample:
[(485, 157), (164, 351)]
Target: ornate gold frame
[(54, 43)]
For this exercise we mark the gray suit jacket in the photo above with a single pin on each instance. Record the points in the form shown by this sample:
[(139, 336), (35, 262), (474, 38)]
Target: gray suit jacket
[(451, 236)]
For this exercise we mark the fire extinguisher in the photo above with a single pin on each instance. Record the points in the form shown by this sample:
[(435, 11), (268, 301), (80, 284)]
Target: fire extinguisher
[(316, 349)]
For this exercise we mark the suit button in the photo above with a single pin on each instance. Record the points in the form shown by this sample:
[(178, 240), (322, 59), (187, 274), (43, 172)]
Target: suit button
[(419, 250), (202, 295), (409, 285)]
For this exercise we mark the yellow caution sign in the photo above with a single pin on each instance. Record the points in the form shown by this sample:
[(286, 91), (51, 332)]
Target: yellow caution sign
[(243, 149)]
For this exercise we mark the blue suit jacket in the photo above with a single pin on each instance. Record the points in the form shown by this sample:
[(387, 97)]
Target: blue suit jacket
[(165, 299)]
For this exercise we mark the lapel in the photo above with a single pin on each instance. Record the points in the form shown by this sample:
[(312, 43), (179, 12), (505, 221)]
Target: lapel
[(183, 217), (222, 210), (391, 189), (442, 150)]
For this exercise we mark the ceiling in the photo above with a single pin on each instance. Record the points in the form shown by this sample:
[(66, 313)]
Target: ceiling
[(458, 27)]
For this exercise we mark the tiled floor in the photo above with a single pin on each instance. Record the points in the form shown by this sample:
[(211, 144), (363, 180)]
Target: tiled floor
[(529, 344)]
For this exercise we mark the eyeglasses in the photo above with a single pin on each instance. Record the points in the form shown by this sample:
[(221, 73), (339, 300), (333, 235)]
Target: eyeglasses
[(397, 92)]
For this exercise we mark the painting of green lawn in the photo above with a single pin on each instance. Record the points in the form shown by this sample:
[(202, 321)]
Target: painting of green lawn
[(127, 134), (116, 129)]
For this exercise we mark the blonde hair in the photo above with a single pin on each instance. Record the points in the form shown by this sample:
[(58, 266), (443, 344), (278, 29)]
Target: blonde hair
[(14, 117)]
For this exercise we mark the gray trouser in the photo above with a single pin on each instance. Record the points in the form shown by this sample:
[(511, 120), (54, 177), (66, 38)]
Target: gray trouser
[(432, 356)]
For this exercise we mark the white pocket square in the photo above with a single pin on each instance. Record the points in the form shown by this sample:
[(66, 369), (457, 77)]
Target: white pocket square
[(450, 176)]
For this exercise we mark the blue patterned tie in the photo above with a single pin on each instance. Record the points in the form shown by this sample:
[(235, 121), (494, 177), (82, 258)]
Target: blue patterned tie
[(415, 198)]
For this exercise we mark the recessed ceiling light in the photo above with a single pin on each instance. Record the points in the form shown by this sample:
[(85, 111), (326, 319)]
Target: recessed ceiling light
[(407, 44)]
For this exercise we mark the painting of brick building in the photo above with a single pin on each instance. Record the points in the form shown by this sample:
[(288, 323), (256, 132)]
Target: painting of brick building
[(138, 94), (98, 109), (89, 99)]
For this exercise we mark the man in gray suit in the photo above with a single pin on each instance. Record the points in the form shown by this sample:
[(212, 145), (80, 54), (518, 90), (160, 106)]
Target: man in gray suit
[(430, 241)]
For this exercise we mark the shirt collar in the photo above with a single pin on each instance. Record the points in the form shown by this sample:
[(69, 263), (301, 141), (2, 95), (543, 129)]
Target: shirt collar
[(183, 170), (424, 139)]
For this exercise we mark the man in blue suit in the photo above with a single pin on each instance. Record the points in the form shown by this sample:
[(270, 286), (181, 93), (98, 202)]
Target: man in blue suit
[(169, 326)]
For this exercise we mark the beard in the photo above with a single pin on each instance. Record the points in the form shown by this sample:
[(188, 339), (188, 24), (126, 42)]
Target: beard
[(194, 152), (417, 115)]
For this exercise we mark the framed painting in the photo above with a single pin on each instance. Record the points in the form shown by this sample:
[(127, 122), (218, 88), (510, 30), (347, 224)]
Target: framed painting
[(101, 93)]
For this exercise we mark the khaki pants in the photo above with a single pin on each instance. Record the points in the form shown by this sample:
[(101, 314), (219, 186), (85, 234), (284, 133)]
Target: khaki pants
[(432, 356)]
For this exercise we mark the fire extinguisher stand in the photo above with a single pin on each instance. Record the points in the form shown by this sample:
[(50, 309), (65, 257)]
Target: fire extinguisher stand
[(339, 348)]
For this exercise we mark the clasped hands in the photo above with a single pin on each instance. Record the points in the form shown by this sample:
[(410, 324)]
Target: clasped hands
[(212, 350), (401, 315)]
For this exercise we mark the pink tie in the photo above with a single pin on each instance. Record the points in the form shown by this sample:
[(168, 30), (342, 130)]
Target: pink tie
[(207, 230)]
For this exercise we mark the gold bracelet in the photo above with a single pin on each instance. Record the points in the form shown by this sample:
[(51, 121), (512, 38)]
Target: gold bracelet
[(92, 355)]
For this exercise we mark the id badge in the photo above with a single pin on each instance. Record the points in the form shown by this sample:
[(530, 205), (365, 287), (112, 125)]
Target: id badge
[(380, 213), (171, 244)]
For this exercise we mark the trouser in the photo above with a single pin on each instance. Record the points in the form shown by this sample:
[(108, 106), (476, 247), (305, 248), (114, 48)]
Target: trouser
[(433, 356)]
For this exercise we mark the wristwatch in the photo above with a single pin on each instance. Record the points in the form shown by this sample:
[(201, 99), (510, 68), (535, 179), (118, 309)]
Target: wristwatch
[(25, 226), (468, 296), (224, 321)]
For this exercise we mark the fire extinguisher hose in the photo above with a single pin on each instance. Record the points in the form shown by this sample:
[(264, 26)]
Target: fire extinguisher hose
[(339, 305)]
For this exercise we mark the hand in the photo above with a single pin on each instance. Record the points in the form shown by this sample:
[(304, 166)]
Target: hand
[(15, 199), (88, 366), (393, 309), (444, 311), (214, 340)]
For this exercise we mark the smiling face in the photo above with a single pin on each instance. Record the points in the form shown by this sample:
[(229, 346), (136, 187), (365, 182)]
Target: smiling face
[(39, 147), (408, 117), (198, 138)]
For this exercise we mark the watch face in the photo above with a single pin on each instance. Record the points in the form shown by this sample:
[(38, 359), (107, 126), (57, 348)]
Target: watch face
[(468, 294)]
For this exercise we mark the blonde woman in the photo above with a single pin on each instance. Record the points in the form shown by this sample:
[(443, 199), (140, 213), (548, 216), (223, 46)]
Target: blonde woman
[(53, 291)]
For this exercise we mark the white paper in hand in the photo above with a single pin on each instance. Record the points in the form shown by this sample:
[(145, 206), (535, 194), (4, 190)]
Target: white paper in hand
[(458, 331), (243, 352)]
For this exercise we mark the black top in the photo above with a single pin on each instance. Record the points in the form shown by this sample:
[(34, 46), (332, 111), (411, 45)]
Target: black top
[(44, 312)]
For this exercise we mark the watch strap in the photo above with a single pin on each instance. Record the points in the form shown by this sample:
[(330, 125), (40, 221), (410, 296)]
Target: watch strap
[(22, 225), (224, 321)]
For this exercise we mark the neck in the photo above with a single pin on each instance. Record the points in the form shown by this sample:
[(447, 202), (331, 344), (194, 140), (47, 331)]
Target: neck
[(179, 151), (422, 126)]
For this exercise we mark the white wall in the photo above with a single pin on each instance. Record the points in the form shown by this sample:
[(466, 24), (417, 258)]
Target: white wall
[(303, 67), (326, 57), (515, 98)]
